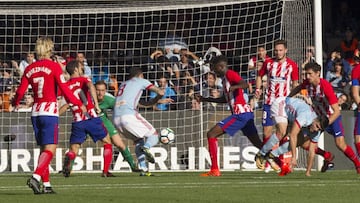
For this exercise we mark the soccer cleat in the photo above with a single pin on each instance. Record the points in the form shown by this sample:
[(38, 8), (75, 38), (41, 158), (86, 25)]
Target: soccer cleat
[(146, 173), (108, 174), (34, 185), (271, 159), (66, 167), (148, 155), (260, 161), (326, 166), (212, 172), (48, 190), (285, 169)]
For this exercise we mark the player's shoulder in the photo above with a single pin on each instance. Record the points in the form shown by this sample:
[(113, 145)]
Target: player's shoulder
[(291, 62), (109, 96)]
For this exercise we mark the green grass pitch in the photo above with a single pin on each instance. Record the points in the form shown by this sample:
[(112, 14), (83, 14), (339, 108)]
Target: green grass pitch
[(236, 186)]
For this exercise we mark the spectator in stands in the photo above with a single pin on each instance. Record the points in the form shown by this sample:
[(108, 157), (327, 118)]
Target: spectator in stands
[(343, 101), (336, 54), (159, 64), (26, 106), (113, 85), (80, 56), (185, 90), (185, 65), (17, 73), (172, 44), (6, 88), (211, 81), (30, 58), (169, 97), (260, 55), (309, 56), (337, 76), (349, 44)]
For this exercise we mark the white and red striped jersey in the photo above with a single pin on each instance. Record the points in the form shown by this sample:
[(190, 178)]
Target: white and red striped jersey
[(79, 86), (235, 99), (44, 76), (280, 77), (322, 96)]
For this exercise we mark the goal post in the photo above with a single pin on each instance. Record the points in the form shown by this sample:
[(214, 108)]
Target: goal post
[(118, 35)]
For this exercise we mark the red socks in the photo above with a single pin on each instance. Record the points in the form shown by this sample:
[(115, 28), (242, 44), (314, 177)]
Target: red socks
[(213, 146), (43, 164), (107, 157), (352, 156), (357, 145)]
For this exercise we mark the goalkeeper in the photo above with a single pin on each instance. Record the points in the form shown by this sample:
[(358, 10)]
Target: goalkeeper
[(107, 101)]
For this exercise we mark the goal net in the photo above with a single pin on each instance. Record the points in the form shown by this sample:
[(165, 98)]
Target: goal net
[(116, 36)]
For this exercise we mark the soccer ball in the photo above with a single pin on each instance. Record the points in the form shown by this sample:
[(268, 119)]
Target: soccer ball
[(167, 136)]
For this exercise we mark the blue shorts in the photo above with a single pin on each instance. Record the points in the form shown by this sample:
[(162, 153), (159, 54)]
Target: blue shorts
[(357, 124), (94, 127), (46, 129), (336, 129), (236, 122), (266, 119)]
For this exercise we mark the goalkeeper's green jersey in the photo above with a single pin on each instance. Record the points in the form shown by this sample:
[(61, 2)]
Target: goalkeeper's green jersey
[(107, 103)]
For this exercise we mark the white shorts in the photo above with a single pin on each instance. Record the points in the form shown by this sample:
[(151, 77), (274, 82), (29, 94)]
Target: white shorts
[(134, 126), (277, 109)]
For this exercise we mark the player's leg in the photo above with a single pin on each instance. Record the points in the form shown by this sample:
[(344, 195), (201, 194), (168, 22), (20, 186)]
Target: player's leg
[(45, 128), (118, 142), (212, 137), (328, 156), (97, 131), (70, 158), (124, 150), (357, 133), (337, 131)]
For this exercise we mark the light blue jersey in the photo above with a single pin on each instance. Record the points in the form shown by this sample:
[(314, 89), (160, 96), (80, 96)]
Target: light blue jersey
[(299, 111), (129, 95)]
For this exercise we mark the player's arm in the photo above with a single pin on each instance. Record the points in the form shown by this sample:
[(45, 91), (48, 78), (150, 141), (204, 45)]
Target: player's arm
[(336, 113), (20, 92), (94, 96), (295, 130), (311, 157), (159, 94), (241, 85), (258, 90)]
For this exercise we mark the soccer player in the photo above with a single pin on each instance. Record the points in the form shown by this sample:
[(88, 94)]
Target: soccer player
[(44, 76), (85, 123), (106, 102), (128, 120), (355, 91), (282, 74), (325, 103), (285, 110), (242, 117)]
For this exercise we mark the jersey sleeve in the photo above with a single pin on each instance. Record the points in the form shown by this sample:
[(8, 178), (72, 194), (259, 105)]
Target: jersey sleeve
[(295, 71), (329, 92), (233, 77), (355, 76), (21, 90)]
